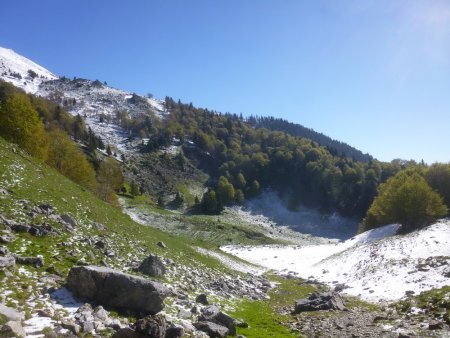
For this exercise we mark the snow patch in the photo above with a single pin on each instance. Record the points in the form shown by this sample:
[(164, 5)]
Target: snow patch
[(376, 265)]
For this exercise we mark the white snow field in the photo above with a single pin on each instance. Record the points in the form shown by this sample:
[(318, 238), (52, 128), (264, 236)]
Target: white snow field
[(11, 62), (376, 265)]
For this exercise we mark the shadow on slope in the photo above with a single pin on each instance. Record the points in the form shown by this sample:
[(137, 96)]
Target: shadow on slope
[(304, 220)]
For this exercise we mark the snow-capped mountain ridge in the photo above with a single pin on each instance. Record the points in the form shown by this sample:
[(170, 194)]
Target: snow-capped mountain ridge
[(22, 72), (95, 101)]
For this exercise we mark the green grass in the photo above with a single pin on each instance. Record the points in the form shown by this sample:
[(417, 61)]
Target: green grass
[(264, 318)]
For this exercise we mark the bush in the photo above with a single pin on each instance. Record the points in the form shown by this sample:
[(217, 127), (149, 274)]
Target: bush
[(407, 199), (65, 157), (20, 123)]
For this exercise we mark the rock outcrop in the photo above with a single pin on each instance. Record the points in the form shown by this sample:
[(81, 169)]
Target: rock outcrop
[(212, 314), (116, 289), (320, 301)]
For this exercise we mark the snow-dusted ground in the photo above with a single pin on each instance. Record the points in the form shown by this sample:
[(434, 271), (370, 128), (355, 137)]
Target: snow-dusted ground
[(232, 263), (376, 265)]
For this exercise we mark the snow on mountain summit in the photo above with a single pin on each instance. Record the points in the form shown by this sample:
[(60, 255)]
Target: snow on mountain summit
[(94, 101), (22, 72)]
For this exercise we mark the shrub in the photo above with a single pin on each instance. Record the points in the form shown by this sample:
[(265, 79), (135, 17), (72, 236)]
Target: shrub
[(407, 199)]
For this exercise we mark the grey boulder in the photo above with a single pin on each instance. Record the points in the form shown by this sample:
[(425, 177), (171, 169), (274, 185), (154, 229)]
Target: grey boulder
[(116, 289), (213, 314), (320, 301), (152, 266)]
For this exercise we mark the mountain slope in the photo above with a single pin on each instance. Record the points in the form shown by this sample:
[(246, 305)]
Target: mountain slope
[(22, 72)]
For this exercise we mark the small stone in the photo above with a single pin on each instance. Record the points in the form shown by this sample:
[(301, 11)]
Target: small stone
[(71, 326), (202, 299), (435, 325), (174, 332), (162, 245), (69, 220), (48, 312)]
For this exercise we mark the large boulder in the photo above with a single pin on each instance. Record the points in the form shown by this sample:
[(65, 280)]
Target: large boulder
[(152, 266), (320, 301), (116, 289)]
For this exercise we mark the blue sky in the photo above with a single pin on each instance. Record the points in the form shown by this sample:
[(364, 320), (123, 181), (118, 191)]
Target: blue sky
[(374, 73)]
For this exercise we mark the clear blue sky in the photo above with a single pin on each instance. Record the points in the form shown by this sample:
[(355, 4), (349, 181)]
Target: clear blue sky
[(374, 73)]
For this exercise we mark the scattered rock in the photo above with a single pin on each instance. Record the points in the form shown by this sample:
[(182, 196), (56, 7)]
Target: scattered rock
[(435, 325), (117, 289), (128, 333), (20, 227), (37, 262), (7, 238), (212, 329), (68, 220), (48, 312), (71, 326), (174, 332), (202, 299), (6, 259), (152, 326), (100, 244), (320, 301), (213, 314), (152, 266)]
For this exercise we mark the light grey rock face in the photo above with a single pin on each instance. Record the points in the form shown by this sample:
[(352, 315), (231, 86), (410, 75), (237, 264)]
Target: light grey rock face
[(117, 289), (10, 313), (152, 266), (12, 329), (6, 259), (320, 301)]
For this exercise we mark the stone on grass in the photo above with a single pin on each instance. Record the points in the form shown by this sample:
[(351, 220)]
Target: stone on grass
[(152, 326), (213, 314), (116, 289), (202, 299), (152, 266), (212, 329), (37, 262)]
